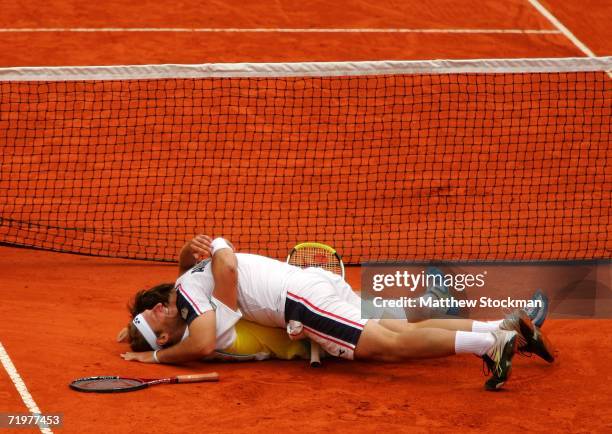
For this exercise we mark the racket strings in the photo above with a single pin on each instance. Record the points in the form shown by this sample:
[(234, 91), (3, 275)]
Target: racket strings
[(316, 257), (112, 384), (107, 383)]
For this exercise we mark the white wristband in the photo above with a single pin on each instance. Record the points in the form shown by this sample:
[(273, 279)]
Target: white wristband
[(219, 244), (155, 356)]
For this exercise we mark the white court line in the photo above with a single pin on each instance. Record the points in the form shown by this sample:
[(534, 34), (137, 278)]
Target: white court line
[(559, 26), (21, 387), (273, 30)]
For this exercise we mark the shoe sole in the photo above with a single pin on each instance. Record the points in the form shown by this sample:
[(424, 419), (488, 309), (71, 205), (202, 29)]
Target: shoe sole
[(498, 385), (537, 342), (539, 315)]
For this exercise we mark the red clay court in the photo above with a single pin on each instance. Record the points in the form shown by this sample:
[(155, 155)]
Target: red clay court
[(61, 311)]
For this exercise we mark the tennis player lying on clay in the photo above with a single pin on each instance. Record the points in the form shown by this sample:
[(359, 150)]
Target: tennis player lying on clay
[(195, 322), (245, 339), (240, 340)]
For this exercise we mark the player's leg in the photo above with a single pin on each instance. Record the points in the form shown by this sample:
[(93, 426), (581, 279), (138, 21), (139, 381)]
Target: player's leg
[(399, 325), (380, 343), (346, 293), (328, 298), (337, 326), (531, 339), (496, 349), (466, 325)]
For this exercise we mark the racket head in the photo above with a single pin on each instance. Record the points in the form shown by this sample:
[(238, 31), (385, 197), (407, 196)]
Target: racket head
[(107, 384), (311, 254)]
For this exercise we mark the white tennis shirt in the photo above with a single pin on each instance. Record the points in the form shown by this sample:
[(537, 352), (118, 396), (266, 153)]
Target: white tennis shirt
[(262, 288)]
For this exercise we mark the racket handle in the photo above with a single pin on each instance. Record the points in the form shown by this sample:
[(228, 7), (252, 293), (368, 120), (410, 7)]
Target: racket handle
[(196, 378), (315, 355)]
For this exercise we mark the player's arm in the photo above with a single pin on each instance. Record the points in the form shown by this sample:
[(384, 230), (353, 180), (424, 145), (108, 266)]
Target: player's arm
[(193, 251), (200, 343), (224, 265), (225, 273), (202, 333)]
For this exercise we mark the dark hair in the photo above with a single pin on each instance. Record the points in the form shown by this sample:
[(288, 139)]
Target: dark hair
[(143, 300), (148, 298)]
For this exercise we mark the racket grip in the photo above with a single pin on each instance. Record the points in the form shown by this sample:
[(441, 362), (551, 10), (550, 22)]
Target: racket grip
[(315, 355), (197, 378)]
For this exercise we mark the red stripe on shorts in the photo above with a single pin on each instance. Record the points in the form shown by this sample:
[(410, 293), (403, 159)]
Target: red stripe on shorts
[(356, 324), (335, 341)]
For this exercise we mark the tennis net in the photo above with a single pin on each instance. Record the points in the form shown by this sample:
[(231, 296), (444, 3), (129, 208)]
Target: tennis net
[(446, 160)]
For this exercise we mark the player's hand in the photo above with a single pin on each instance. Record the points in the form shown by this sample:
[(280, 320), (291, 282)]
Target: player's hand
[(200, 247), (295, 330), (123, 335), (143, 357)]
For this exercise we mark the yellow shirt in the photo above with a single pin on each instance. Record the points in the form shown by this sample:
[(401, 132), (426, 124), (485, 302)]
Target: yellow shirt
[(257, 342)]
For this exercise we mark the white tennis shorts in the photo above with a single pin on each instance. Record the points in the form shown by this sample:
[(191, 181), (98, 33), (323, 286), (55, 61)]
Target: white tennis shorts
[(328, 309)]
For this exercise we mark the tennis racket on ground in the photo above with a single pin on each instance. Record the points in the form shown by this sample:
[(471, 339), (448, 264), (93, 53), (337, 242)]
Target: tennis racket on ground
[(320, 255), (109, 384)]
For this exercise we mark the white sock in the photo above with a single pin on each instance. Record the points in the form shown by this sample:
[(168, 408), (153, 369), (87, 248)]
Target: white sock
[(473, 343), (486, 326)]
